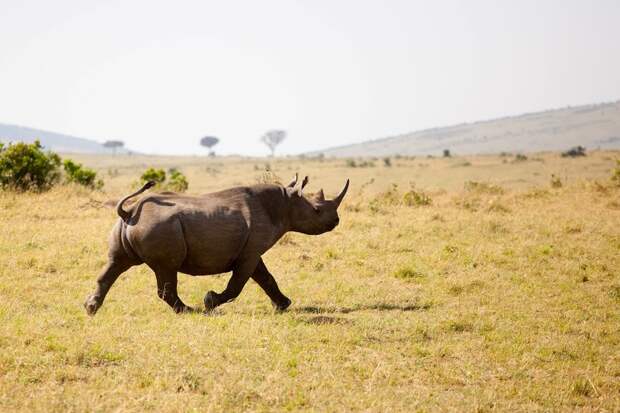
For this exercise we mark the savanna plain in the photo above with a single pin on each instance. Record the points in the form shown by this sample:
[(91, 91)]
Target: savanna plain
[(474, 283)]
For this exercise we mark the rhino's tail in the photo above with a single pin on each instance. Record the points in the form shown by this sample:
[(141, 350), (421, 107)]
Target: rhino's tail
[(119, 207)]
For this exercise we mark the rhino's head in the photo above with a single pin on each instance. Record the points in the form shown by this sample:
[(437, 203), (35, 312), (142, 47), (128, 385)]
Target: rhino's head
[(313, 215)]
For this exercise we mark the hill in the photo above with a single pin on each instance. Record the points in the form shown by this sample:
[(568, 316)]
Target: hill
[(50, 140), (592, 126)]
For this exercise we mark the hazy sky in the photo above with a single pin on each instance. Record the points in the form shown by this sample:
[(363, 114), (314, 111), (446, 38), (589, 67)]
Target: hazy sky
[(161, 74)]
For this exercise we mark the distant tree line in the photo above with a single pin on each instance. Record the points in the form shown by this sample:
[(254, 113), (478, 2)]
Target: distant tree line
[(271, 139)]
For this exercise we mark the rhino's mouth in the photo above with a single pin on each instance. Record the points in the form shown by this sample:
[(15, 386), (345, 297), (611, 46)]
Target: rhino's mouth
[(334, 224)]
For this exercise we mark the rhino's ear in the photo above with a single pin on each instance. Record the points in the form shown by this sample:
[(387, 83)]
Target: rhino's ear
[(303, 184), (299, 190), (293, 182)]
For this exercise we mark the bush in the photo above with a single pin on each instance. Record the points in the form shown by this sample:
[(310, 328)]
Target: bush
[(574, 152), (483, 188), (615, 175), (268, 177), (393, 197), (361, 164), (446, 153), (25, 167), (177, 182), (556, 182), (416, 198), (152, 174), (78, 174), (520, 157), (408, 272), (387, 162)]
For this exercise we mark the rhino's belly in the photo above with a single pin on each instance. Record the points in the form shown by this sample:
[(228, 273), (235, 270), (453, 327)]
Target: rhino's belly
[(198, 269), (206, 261), (213, 245)]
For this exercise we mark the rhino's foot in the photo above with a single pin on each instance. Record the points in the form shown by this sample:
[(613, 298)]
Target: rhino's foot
[(211, 301), (91, 305), (282, 306), (184, 309)]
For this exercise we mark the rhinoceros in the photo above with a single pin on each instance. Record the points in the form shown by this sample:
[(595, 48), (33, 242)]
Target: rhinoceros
[(214, 233)]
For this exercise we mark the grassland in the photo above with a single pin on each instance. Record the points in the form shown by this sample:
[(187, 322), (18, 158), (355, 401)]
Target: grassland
[(480, 287)]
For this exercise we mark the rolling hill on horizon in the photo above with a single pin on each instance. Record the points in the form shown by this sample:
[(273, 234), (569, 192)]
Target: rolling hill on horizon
[(53, 141), (592, 126)]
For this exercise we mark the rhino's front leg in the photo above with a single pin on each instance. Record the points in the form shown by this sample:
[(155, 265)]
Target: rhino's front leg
[(265, 280), (240, 276)]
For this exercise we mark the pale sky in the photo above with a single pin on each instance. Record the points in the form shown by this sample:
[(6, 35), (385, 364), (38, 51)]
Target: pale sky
[(159, 75)]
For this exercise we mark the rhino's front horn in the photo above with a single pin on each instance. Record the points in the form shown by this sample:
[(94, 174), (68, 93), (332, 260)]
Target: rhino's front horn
[(341, 195)]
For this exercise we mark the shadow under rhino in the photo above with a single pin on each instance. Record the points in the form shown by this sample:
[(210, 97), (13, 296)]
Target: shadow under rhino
[(362, 307)]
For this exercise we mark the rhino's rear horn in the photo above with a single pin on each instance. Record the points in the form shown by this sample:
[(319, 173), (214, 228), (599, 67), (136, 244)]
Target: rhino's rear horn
[(341, 195), (320, 196)]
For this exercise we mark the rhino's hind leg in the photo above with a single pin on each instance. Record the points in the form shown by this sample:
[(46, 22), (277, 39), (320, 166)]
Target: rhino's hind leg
[(167, 290), (108, 276), (265, 280)]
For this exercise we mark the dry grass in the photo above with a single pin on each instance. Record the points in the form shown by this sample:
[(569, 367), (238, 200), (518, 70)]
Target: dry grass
[(500, 295)]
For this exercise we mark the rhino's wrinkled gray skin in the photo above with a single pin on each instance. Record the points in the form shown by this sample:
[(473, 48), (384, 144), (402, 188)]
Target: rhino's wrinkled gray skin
[(210, 234)]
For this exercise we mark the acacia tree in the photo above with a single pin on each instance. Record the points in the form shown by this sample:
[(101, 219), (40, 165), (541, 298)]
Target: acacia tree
[(113, 145), (209, 142), (273, 138)]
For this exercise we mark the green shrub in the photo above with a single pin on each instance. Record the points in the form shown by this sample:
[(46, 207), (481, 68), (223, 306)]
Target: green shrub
[(77, 173), (408, 272), (389, 197), (483, 188), (177, 181), (416, 198), (152, 174), (361, 164), (25, 167), (615, 175), (268, 177), (574, 152), (393, 197)]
